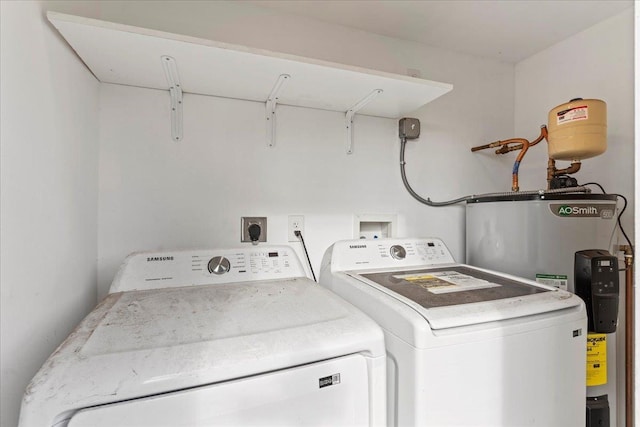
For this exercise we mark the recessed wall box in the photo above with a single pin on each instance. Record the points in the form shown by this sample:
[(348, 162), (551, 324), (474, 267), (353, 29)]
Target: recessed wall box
[(374, 226)]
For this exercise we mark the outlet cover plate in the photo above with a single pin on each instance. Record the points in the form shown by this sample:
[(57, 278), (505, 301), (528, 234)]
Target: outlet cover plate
[(296, 222), (246, 221)]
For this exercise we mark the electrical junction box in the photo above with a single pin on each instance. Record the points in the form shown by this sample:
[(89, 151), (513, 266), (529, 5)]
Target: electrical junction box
[(409, 128)]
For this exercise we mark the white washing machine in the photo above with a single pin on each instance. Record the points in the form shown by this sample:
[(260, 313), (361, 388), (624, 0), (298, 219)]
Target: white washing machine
[(466, 346), (225, 337)]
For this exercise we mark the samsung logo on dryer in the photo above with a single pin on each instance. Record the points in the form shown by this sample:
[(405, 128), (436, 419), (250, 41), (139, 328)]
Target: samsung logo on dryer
[(159, 258), (357, 246)]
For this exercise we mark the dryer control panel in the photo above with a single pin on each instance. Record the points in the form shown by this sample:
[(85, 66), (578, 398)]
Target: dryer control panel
[(155, 270), (364, 254)]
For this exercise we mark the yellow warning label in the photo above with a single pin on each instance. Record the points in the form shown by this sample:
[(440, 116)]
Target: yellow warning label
[(596, 359), (419, 277), (427, 281), (441, 282)]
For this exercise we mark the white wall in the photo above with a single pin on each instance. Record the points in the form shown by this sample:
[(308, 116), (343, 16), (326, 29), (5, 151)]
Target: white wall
[(49, 165), (157, 194), (596, 63)]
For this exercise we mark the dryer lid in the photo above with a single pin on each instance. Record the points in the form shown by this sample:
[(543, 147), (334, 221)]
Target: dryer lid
[(143, 343)]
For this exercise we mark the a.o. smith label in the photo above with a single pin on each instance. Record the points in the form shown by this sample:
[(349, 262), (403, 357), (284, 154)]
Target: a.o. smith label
[(583, 210), (330, 380)]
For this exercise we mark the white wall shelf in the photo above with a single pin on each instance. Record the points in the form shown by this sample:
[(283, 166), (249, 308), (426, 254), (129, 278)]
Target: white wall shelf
[(127, 55)]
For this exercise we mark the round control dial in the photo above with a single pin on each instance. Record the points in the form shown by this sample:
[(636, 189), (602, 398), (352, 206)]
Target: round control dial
[(398, 252), (218, 265)]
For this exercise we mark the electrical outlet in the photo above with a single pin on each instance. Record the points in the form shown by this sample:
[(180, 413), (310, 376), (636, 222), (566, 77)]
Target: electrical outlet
[(296, 223), (247, 221)]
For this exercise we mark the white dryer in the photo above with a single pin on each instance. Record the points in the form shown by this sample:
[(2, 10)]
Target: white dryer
[(466, 346), (224, 337)]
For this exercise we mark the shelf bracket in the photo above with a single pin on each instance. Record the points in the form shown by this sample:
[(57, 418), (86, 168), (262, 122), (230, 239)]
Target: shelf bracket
[(175, 91), (352, 111), (270, 112)]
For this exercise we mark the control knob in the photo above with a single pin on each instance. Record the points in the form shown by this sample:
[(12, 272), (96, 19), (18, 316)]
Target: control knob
[(398, 252), (219, 265)]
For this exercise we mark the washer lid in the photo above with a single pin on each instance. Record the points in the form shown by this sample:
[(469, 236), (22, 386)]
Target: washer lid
[(143, 343), (459, 295), (452, 285)]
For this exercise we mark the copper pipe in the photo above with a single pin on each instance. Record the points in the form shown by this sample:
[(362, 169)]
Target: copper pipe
[(551, 164), (498, 144), (551, 169), (628, 335), (516, 165), (522, 145), (553, 172), (573, 168), (543, 135), (505, 148), (484, 147)]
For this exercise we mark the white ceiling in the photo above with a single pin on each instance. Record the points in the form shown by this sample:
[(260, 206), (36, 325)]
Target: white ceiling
[(505, 30)]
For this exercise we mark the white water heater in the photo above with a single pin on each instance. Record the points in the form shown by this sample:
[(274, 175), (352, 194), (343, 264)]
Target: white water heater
[(536, 237)]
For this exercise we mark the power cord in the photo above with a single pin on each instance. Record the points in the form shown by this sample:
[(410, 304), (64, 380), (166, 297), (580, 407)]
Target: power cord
[(624, 199), (298, 233)]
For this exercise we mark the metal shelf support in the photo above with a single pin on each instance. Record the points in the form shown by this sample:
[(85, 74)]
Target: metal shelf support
[(175, 92), (270, 112), (352, 111)]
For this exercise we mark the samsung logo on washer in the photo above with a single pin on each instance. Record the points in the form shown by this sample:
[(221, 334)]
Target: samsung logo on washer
[(583, 210), (159, 258), (357, 246)]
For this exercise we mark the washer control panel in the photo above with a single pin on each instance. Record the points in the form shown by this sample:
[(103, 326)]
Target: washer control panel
[(156, 270), (383, 253)]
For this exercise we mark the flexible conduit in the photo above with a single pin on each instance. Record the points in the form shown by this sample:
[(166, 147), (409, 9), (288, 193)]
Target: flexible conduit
[(429, 202)]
